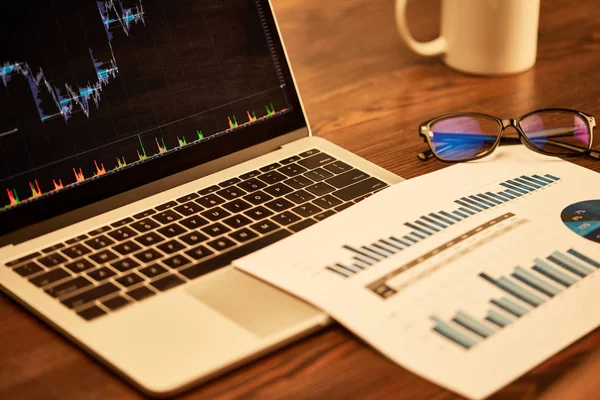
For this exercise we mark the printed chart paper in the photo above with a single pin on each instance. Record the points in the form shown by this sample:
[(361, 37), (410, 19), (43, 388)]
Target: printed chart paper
[(469, 276)]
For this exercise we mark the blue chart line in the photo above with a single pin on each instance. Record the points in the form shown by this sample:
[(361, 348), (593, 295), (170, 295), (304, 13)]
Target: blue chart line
[(66, 99), (525, 288), (364, 256)]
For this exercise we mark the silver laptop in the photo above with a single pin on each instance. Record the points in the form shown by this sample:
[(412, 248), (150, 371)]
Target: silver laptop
[(144, 145)]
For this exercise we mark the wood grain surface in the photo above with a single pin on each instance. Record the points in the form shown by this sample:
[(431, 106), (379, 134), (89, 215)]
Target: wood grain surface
[(364, 90)]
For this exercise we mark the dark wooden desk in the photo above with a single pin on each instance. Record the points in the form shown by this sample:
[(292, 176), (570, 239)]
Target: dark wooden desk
[(364, 90)]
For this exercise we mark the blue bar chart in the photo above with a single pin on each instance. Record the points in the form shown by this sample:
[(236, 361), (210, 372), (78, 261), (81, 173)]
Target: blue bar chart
[(524, 290), (366, 255)]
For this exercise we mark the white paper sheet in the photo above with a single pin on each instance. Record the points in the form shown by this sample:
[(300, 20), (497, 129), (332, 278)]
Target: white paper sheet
[(445, 304)]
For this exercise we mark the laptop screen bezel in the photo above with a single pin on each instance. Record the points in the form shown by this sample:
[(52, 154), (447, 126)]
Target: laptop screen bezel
[(201, 154)]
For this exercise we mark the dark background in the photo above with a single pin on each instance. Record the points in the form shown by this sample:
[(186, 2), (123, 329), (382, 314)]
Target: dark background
[(190, 66)]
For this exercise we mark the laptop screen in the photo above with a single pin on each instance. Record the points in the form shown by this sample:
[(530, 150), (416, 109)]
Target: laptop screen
[(98, 97)]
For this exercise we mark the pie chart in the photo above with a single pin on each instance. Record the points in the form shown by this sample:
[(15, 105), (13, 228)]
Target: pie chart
[(583, 218)]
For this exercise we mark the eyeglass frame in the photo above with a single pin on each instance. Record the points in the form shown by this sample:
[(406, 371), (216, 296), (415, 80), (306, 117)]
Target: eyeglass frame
[(424, 129)]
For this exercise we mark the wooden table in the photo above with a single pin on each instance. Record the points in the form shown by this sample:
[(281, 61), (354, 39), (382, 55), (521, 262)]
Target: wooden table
[(364, 90)]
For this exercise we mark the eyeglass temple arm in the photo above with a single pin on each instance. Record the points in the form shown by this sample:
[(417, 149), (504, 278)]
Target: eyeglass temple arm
[(595, 154), (427, 154)]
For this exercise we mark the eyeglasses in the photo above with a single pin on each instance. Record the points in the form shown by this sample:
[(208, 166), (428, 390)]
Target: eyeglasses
[(470, 136)]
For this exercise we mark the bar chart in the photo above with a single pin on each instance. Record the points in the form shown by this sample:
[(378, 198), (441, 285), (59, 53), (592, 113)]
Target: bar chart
[(524, 290), (363, 256)]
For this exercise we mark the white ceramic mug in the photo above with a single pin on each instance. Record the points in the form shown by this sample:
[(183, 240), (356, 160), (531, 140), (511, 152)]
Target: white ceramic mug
[(484, 37)]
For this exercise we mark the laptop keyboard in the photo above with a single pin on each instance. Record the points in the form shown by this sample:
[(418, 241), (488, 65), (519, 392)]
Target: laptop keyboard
[(163, 247)]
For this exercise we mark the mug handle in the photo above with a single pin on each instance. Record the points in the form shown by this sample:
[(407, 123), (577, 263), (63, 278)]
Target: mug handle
[(433, 48)]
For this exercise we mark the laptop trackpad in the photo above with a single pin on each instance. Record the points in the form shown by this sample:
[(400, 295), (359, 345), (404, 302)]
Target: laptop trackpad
[(253, 304)]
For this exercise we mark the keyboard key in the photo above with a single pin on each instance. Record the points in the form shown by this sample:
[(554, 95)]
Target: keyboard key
[(215, 214), (172, 230), (29, 268), (343, 207), (144, 214), (307, 210), (243, 235), (210, 189), (91, 313), (292, 170), (101, 274), (317, 160), (318, 174), (199, 252), (153, 270), (327, 201), (229, 182), (126, 248), (49, 277), (187, 197), (52, 260), (98, 231), (278, 190), (210, 201), (257, 198), (168, 282), (80, 265), (258, 213), (170, 247), (188, 209), (323, 215), (121, 234), (176, 261), (149, 239), (116, 302), (251, 174), (221, 244), (320, 188), (270, 167), (347, 178), (299, 182), (122, 222), (279, 205), (359, 189), (204, 267), (237, 221), (103, 257), (302, 225), (144, 225), (127, 263), (286, 218), (130, 279), (166, 217), (215, 230), (52, 248), (166, 206), (99, 242), (193, 222), (264, 226), (299, 197), (141, 293), (193, 238), (237, 205), (252, 185), (308, 153), (273, 177), (231, 193), (289, 160), (361, 198), (337, 167), (90, 295), (68, 287), (76, 239)]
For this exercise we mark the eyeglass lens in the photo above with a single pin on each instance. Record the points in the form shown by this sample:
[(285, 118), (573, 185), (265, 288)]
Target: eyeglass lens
[(463, 137), (557, 132)]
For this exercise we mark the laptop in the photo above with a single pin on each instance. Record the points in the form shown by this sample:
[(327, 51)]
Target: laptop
[(144, 145)]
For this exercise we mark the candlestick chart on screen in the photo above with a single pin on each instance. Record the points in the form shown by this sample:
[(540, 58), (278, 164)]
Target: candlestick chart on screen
[(89, 88)]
